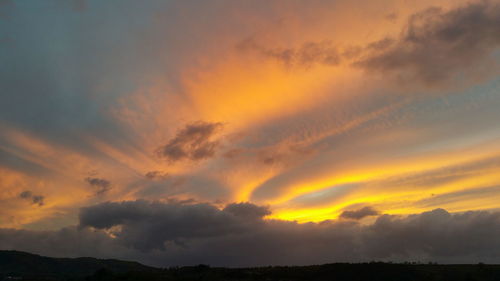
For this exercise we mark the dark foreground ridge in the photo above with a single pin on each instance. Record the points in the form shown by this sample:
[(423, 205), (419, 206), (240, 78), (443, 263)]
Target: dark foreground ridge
[(16, 265)]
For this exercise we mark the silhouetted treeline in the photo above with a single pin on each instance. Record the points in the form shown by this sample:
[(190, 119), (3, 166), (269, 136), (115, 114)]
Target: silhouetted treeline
[(18, 268), (342, 272)]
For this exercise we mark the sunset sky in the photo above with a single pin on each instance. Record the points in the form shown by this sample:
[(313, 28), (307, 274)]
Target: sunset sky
[(241, 133)]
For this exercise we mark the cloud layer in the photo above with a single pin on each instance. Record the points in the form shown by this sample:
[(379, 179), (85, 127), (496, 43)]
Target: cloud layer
[(437, 45), (165, 234), (127, 130), (359, 214)]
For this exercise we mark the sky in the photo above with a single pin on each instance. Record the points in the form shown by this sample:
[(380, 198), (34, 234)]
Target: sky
[(244, 133)]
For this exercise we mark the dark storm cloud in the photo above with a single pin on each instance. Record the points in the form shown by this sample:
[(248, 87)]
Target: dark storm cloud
[(437, 45), (70, 242), (437, 234), (247, 210), (141, 221), (34, 199), (194, 142), (238, 235), (360, 213), (305, 56), (101, 185), (178, 234)]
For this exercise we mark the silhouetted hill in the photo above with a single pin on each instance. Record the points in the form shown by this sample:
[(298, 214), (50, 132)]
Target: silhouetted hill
[(23, 266)]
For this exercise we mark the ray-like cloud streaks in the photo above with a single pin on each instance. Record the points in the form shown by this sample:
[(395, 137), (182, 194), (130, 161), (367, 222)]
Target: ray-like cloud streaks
[(318, 110)]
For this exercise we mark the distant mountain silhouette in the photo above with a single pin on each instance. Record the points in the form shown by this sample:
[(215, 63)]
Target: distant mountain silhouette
[(16, 265)]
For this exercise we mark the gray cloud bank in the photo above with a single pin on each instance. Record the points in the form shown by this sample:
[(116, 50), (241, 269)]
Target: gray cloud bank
[(439, 45), (165, 234), (435, 46), (360, 213)]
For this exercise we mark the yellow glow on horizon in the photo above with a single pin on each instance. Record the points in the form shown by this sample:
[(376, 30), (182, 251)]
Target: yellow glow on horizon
[(372, 171), (373, 189)]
